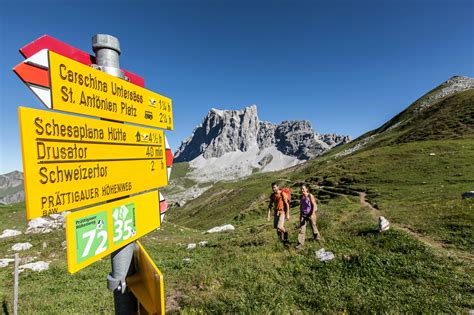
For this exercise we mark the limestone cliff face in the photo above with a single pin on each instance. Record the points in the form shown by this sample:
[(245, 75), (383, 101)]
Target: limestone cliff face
[(297, 138), (224, 131)]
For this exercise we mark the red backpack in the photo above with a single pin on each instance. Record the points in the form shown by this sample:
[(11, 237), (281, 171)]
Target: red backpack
[(287, 192)]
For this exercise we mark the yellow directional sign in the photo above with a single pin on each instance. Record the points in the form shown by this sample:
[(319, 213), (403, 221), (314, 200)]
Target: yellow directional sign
[(94, 233), (147, 283), (71, 162), (81, 89)]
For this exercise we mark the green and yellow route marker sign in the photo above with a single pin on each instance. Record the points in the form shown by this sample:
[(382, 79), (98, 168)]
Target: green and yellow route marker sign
[(94, 233), (71, 162), (67, 85)]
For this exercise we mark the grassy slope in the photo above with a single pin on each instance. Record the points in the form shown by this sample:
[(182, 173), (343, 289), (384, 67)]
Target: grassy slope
[(416, 184), (248, 271), (179, 181), (423, 264)]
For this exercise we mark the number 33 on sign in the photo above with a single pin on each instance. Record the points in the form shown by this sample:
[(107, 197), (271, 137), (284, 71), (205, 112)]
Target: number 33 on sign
[(93, 233)]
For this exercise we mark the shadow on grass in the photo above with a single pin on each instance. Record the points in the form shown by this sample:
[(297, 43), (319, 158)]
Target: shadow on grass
[(5, 307), (368, 232)]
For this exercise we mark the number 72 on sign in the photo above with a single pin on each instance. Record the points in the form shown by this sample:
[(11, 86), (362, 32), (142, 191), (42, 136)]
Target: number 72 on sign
[(98, 231)]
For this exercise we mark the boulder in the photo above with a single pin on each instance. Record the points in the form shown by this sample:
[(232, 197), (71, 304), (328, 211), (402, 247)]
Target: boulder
[(324, 256), (4, 262), (36, 266), (223, 228), (10, 233), (384, 224), (21, 246)]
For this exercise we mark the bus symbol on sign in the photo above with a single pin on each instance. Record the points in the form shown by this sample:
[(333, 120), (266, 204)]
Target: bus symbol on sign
[(148, 115)]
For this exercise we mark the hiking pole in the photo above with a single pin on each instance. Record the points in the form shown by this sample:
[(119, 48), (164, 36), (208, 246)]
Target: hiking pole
[(107, 53)]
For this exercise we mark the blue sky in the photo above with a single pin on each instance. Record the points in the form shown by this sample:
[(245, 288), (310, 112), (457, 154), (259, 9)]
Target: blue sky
[(347, 66)]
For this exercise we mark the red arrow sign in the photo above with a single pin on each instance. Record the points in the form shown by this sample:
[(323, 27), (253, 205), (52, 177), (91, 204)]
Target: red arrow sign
[(33, 75), (53, 44)]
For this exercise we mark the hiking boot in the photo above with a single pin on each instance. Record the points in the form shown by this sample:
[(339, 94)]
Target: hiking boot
[(299, 246), (280, 236)]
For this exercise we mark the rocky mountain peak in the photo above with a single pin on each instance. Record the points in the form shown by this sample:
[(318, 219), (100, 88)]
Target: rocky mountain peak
[(224, 131), (220, 132)]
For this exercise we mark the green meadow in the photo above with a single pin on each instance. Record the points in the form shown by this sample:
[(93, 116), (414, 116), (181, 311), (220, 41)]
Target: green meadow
[(413, 172)]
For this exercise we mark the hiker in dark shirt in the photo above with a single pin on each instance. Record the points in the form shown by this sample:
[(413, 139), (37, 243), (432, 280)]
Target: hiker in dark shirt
[(308, 210), (281, 210)]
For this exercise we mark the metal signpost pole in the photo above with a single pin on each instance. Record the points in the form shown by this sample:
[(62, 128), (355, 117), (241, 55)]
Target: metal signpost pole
[(107, 50)]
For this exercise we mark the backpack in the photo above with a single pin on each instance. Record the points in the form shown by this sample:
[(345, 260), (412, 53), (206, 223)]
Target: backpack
[(287, 192)]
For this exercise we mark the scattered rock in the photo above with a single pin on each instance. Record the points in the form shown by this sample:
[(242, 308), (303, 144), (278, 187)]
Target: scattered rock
[(10, 233), (432, 154), (46, 225), (324, 256), (187, 260), (191, 246), (37, 223), (359, 145), (453, 85), (37, 266), (384, 224), (4, 262), (27, 259), (203, 243), (179, 203), (44, 245), (64, 244), (223, 228), (21, 246), (468, 194)]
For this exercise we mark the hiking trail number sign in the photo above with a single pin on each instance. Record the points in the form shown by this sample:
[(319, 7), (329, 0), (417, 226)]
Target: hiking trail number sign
[(98, 231)]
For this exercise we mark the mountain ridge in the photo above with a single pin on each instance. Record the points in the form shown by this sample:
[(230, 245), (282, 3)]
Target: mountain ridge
[(225, 131), (11, 188)]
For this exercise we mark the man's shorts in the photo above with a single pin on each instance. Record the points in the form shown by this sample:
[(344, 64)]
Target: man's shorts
[(279, 221)]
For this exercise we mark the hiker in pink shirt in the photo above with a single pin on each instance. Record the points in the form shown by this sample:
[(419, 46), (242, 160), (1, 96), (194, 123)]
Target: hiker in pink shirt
[(308, 210)]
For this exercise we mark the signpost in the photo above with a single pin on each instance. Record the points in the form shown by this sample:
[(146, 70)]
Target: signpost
[(96, 232), (75, 161), (67, 85), (72, 162), (71, 52)]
